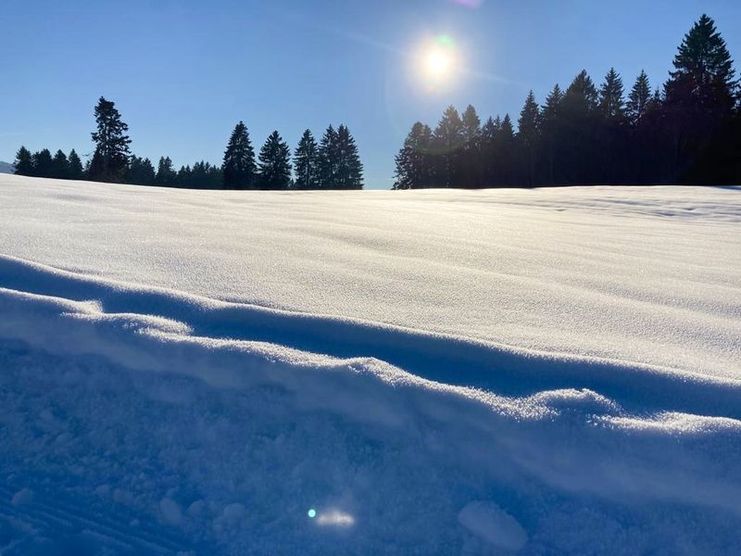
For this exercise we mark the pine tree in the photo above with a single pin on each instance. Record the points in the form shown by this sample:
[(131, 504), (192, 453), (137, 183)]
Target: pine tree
[(552, 131), (611, 101), (306, 162), (140, 172), (275, 166), (448, 143), (638, 100), (75, 166), (166, 175), (24, 162), (504, 150), (239, 160), (348, 166), (413, 160), (43, 164), (111, 157), (488, 165), (470, 158), (579, 152), (60, 166), (528, 138), (327, 156)]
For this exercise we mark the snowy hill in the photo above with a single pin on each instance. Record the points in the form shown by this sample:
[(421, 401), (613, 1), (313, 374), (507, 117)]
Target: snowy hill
[(6, 168), (532, 371)]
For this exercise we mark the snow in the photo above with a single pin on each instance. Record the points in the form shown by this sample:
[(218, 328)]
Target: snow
[(532, 371)]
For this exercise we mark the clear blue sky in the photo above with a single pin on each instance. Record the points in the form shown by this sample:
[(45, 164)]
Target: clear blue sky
[(183, 72)]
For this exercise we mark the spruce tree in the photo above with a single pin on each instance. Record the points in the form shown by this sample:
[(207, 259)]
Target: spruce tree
[(448, 143), (638, 99), (504, 153), (24, 162), (166, 175), (611, 101), (274, 166), (349, 169), (470, 159), (528, 138), (413, 160), (140, 172), (306, 162), (552, 132), (60, 166), (327, 158), (111, 158), (488, 165), (239, 160), (75, 166), (43, 165)]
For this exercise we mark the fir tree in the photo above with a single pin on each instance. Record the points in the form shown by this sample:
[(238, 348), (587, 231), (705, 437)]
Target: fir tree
[(638, 99), (528, 137), (552, 131), (275, 166), (60, 166), (448, 143), (327, 158), (239, 160), (43, 164), (488, 166), (75, 166), (166, 175), (111, 158), (140, 172), (306, 162), (611, 101), (413, 160), (24, 162), (470, 158), (349, 169)]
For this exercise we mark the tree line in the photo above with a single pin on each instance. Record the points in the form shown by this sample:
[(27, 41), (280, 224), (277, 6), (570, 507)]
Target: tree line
[(687, 132), (332, 163)]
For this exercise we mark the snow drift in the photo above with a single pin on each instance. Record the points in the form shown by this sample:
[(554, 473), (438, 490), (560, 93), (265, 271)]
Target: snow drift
[(140, 415)]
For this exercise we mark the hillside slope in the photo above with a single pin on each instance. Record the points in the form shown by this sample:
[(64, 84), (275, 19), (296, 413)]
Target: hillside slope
[(491, 372)]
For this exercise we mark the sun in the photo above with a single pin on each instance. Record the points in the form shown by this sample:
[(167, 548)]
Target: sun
[(437, 61)]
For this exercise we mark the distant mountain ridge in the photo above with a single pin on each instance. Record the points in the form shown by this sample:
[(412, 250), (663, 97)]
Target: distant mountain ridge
[(6, 167)]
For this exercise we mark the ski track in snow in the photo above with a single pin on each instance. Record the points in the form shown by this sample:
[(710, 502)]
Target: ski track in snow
[(141, 419)]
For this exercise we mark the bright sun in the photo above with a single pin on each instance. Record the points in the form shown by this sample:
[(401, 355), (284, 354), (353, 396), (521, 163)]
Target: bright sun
[(437, 61)]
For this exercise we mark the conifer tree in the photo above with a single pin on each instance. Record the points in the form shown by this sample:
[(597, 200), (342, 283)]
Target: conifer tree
[(111, 157), (43, 164), (327, 158), (638, 99), (166, 175), (60, 166), (504, 149), (528, 138), (306, 162), (140, 172), (275, 166), (470, 158), (488, 167), (24, 162), (239, 160), (349, 169), (611, 101), (413, 160), (552, 131), (75, 166), (448, 143)]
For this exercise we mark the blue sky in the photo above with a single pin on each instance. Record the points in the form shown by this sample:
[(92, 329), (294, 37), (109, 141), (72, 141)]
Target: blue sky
[(184, 72)]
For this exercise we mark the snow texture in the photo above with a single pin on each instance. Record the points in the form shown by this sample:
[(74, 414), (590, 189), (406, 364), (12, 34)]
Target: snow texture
[(478, 372)]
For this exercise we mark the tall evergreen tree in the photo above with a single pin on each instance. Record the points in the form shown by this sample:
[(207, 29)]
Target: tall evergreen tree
[(611, 100), (638, 99), (275, 166), (528, 138), (306, 162), (43, 165), (166, 175), (24, 162), (413, 160), (111, 157), (60, 166), (448, 140), (470, 158), (239, 165), (552, 132), (75, 166), (611, 133), (348, 166), (579, 157), (700, 97), (488, 165), (140, 172), (504, 153), (327, 159)]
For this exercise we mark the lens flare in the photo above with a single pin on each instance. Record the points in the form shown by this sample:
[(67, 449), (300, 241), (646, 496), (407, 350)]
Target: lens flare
[(311, 513)]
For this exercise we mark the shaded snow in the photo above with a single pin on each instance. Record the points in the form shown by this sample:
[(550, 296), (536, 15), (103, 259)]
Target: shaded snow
[(431, 372)]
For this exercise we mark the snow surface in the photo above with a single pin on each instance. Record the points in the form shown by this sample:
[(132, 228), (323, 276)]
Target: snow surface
[(479, 372)]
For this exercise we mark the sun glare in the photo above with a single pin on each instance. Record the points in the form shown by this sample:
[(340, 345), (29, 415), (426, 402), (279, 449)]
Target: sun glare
[(437, 61)]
